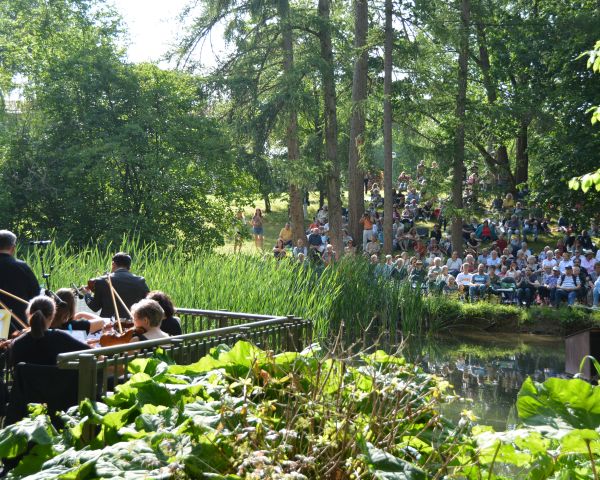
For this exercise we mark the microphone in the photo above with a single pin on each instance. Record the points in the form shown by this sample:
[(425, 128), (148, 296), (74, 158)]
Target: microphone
[(59, 301), (40, 242)]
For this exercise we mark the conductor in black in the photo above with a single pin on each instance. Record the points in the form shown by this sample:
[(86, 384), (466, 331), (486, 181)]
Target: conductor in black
[(131, 288), (15, 277)]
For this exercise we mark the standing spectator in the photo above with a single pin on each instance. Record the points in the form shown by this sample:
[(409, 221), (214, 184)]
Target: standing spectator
[(258, 229), (367, 224)]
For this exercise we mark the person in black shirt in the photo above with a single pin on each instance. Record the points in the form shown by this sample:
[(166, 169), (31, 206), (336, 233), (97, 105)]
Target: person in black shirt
[(42, 345), (67, 319), (15, 277), (170, 323), (130, 288)]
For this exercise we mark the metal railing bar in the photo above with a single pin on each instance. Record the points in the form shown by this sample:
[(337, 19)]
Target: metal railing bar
[(65, 357)]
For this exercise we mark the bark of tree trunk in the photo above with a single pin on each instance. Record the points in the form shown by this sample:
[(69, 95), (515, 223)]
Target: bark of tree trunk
[(356, 199), (334, 200), (522, 157), (267, 201), (296, 213), (388, 206), (459, 140)]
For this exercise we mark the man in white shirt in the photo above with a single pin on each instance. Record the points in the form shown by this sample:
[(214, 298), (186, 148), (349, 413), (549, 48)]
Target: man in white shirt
[(567, 286), (588, 261), (494, 260), (463, 279), (454, 264), (549, 261), (565, 262)]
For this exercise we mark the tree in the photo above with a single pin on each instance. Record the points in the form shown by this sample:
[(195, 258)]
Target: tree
[(357, 123), (387, 131), (331, 128)]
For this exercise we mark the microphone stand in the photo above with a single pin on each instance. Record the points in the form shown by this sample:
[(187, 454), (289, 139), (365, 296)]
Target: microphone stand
[(45, 276)]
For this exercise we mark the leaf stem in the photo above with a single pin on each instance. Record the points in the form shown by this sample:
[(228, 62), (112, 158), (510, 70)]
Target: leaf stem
[(587, 444), (494, 461)]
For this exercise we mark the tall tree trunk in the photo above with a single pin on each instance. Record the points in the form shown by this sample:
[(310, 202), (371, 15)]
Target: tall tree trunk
[(356, 198), (267, 201), (500, 164), (522, 156), (296, 213), (334, 200), (388, 205), (459, 140)]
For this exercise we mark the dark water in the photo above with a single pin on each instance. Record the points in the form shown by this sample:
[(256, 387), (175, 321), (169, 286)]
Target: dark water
[(487, 370)]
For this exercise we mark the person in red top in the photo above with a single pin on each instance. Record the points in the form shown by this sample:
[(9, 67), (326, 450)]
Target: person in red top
[(501, 243)]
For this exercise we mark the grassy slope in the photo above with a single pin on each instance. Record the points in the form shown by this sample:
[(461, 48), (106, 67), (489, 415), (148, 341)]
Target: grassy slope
[(275, 221)]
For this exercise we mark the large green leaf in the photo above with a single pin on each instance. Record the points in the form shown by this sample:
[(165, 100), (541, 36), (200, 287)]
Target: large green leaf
[(559, 403), (388, 467), (14, 439)]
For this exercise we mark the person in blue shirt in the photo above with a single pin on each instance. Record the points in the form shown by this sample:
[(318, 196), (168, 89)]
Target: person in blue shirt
[(480, 282)]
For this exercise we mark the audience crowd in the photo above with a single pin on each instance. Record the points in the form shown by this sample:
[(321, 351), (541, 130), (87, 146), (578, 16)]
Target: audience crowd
[(498, 259)]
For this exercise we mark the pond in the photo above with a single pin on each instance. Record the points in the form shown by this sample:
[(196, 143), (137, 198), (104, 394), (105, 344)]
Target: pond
[(487, 369)]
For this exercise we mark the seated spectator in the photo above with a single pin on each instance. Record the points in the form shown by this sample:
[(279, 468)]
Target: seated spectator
[(399, 236), (328, 256), (512, 226), (567, 286), (497, 204), (285, 234), (463, 279), (300, 248), (547, 288), (279, 249), (494, 260), (479, 283), (436, 233), (519, 211), (581, 292), (451, 286), (483, 256), (595, 278), (454, 264), (588, 262), (501, 243), (346, 238), (524, 250), (315, 241), (565, 262), (530, 226), (473, 242), (486, 231), (418, 275), (585, 240), (323, 215), (373, 246), (350, 249), (514, 245), (509, 202)]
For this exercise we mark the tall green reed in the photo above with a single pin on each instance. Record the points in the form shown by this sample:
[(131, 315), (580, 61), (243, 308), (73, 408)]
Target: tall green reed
[(348, 293)]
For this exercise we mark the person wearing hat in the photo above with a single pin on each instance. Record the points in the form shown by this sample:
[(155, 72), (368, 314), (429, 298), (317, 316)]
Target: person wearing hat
[(567, 286), (588, 261), (131, 288)]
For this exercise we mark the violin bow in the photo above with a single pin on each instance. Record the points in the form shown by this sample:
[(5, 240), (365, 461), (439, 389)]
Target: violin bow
[(122, 303), (14, 315), (112, 294), (8, 294)]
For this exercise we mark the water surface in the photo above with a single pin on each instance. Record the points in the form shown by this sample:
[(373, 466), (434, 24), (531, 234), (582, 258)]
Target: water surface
[(488, 369)]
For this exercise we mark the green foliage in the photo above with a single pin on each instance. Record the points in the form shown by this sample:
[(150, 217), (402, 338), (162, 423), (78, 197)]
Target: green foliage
[(242, 412)]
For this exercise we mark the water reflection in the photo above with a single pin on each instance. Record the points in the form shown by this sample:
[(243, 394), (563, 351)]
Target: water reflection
[(487, 370)]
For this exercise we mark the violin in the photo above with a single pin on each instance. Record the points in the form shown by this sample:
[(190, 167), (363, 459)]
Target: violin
[(5, 344), (113, 337)]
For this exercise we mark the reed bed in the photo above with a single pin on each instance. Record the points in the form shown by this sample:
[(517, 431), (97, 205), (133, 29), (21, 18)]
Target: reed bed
[(345, 295)]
